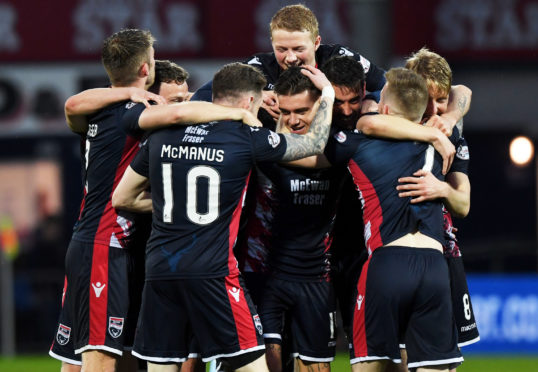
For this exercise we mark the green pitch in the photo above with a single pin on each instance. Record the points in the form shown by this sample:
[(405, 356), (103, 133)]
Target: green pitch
[(341, 364)]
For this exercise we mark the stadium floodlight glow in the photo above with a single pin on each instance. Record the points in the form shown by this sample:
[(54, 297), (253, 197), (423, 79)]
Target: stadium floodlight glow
[(521, 150)]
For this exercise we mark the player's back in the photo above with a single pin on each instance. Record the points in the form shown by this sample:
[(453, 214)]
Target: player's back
[(376, 165), (109, 149), (198, 175)]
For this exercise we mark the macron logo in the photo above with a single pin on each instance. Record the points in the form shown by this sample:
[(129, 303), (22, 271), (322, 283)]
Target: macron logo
[(98, 288), (359, 301), (235, 293)]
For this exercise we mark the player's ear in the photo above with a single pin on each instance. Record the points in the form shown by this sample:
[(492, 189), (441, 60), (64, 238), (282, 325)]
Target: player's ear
[(144, 70), (317, 42), (385, 109)]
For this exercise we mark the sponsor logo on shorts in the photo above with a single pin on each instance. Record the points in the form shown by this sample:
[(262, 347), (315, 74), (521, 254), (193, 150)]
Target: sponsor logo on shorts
[(258, 324), (98, 288), (235, 293), (63, 334), (340, 137), (359, 301), (274, 139), (115, 326)]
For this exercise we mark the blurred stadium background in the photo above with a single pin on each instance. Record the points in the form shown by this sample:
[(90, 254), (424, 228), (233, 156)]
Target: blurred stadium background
[(49, 53)]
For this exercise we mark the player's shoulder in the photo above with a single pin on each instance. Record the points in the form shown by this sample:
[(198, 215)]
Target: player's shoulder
[(261, 59), (327, 51)]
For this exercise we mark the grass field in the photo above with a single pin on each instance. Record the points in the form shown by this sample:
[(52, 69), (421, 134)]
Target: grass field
[(341, 364)]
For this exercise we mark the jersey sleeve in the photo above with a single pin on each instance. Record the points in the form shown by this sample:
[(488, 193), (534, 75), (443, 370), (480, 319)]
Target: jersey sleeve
[(129, 121), (267, 145), (461, 160), (341, 146), (140, 163), (204, 93)]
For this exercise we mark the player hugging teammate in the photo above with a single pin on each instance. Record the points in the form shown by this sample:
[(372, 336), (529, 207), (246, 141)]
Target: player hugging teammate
[(337, 150)]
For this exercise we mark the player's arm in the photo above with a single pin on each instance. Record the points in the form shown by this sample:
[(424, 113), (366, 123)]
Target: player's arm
[(131, 194), (191, 112), (455, 192), (313, 142), (375, 80), (395, 127), (92, 100), (459, 102)]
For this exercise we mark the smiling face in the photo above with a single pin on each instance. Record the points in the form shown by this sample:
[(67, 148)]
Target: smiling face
[(347, 106), (294, 48), (296, 112), (437, 101), (174, 92)]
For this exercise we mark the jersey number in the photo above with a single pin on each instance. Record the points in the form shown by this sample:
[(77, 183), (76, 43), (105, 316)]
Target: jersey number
[(466, 307), (213, 194)]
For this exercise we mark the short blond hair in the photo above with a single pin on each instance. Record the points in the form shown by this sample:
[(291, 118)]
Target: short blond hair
[(295, 17), (407, 91), (432, 67)]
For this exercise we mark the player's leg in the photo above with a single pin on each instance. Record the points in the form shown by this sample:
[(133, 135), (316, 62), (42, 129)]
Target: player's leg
[(257, 365), (373, 366), (99, 361), (193, 365), (127, 363), (305, 366), (273, 354), (156, 367), (68, 367)]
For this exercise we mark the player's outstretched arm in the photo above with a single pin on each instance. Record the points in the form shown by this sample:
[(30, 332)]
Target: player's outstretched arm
[(192, 112), (92, 100), (395, 127), (131, 194), (459, 102), (313, 142), (455, 192)]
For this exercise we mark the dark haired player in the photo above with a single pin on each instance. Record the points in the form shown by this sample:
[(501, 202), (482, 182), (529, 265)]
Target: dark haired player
[(198, 175)]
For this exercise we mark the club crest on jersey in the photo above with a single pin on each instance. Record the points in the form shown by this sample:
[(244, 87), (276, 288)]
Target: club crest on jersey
[(115, 326), (274, 139), (258, 324), (340, 137), (462, 152), (63, 334)]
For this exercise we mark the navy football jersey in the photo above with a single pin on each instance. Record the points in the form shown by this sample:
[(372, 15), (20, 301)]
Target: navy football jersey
[(460, 164), (301, 215), (376, 165), (110, 146), (198, 176), (266, 62)]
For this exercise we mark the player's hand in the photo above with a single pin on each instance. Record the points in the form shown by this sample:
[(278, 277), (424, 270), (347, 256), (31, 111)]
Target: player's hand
[(442, 123), (249, 119), (143, 96), (422, 186), (270, 103), (447, 150), (316, 76), (369, 105)]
